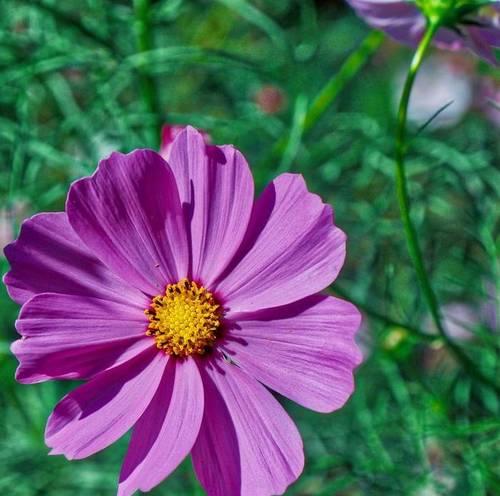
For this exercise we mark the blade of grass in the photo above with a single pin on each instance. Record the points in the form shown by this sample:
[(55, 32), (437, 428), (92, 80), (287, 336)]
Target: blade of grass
[(144, 38)]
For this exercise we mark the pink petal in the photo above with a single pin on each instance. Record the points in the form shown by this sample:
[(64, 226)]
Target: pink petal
[(479, 44), (448, 39), (400, 19), (168, 135), (49, 257), (270, 448), (129, 215), (292, 249), (41, 362), (75, 337), (217, 443), (167, 430), (305, 351), (216, 188), (491, 35), (96, 414)]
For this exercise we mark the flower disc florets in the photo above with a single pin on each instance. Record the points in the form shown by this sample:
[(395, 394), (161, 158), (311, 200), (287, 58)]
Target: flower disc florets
[(185, 320)]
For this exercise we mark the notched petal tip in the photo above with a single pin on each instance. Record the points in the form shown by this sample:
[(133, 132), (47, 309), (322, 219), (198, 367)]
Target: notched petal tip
[(292, 249), (10, 250)]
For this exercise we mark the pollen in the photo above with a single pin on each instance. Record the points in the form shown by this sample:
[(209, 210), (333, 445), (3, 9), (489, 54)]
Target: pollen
[(185, 320)]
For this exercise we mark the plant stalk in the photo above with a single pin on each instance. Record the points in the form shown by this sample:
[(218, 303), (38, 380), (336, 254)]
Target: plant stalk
[(404, 207)]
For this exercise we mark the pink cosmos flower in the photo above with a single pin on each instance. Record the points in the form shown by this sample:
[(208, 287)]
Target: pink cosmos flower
[(403, 20), (179, 300)]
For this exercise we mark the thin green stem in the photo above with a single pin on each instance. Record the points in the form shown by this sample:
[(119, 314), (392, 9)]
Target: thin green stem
[(401, 184), (353, 64), (404, 206), (147, 84)]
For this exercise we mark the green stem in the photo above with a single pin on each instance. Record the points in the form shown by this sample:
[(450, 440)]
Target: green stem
[(147, 83), (353, 64), (401, 185), (404, 206)]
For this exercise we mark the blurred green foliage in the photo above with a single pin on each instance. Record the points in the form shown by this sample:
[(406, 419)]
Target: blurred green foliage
[(82, 78)]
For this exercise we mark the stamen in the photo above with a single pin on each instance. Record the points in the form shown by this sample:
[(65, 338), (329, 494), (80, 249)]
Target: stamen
[(185, 320)]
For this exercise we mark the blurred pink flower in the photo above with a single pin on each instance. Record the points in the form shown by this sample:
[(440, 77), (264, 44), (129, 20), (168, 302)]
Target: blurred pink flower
[(450, 85), (488, 99), (270, 99), (490, 307), (458, 321)]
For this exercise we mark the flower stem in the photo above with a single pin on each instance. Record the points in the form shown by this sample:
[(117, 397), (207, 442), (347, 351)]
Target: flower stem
[(401, 184), (404, 207), (147, 83), (349, 69)]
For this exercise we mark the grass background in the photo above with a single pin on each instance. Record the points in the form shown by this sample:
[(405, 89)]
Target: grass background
[(79, 79)]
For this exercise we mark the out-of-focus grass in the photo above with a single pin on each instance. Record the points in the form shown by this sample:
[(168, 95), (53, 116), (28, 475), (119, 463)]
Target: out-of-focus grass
[(77, 83)]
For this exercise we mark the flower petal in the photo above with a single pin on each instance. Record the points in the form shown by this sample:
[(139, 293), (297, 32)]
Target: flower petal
[(270, 448), (75, 337), (400, 19), (491, 35), (41, 362), (218, 443), (167, 430), (128, 213), (478, 43), (216, 189), (292, 249), (168, 135), (305, 351), (96, 414), (48, 256)]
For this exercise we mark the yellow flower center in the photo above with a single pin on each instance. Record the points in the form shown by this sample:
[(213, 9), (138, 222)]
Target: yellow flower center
[(185, 320)]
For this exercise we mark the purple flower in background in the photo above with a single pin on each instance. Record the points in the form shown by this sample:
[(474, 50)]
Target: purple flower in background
[(460, 318), (449, 84), (459, 321), (478, 31), (178, 298), (489, 308), (488, 99)]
